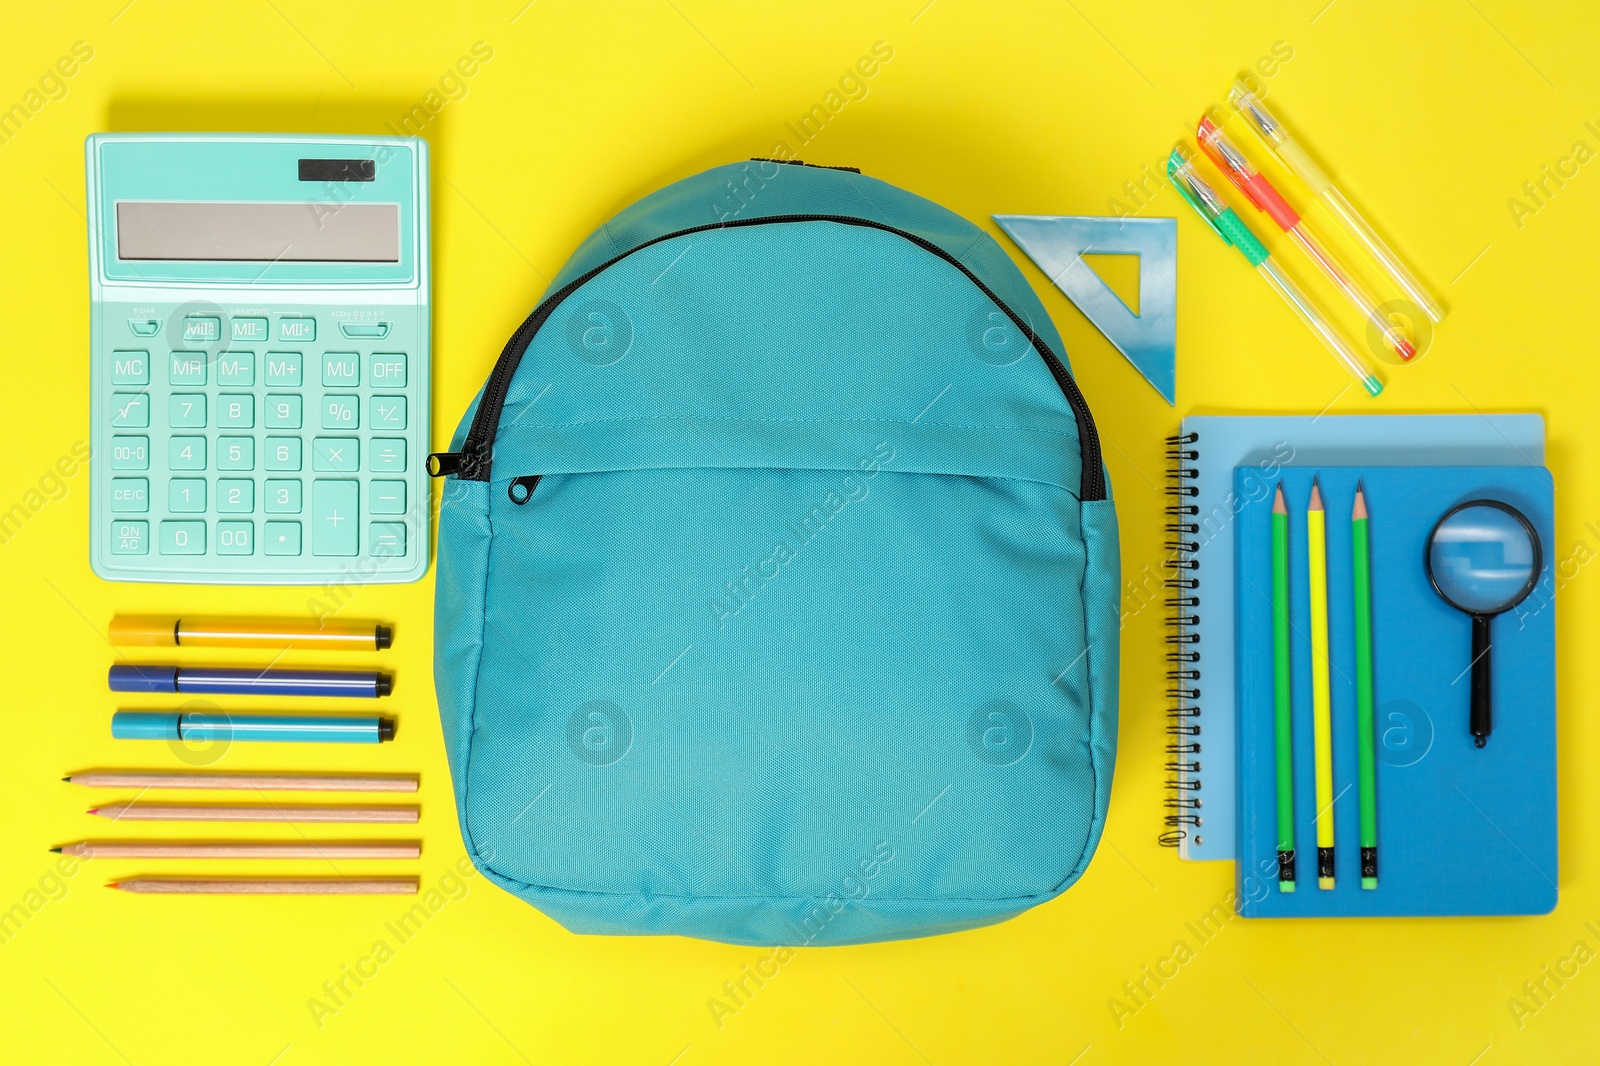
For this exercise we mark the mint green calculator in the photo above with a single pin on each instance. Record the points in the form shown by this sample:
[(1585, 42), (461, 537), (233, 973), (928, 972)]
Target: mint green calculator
[(259, 358)]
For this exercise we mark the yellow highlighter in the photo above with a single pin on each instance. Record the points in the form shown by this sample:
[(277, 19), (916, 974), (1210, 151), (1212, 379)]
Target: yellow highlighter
[(307, 634), (1321, 703)]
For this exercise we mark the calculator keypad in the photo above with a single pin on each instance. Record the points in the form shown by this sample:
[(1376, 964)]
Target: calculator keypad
[(244, 440)]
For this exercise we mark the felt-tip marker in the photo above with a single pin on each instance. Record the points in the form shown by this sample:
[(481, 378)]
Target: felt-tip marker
[(216, 725), (307, 634), (248, 681)]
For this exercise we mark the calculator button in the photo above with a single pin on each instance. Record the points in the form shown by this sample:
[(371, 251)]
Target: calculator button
[(186, 410), (341, 412), (249, 329), (386, 539), (130, 495), (282, 453), (183, 538), (297, 330), (283, 411), (341, 369), (130, 453), (186, 368), (364, 330), (283, 370), (236, 453), (130, 410), (236, 368), (388, 455), (335, 527), (130, 538), (281, 496), (130, 368), (201, 329), (236, 410), (386, 497), (186, 453), (236, 496), (186, 495), (338, 455), (388, 412), (235, 538), (143, 327), (280, 538), (386, 370)]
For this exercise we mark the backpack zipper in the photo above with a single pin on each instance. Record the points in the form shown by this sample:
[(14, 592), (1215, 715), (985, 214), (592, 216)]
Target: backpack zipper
[(521, 488), (472, 462)]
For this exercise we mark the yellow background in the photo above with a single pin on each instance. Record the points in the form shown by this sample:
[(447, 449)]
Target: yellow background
[(1431, 115)]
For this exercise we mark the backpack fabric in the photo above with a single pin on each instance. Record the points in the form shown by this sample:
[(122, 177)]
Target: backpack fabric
[(777, 595)]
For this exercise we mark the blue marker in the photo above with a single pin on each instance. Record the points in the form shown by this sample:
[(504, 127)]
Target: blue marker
[(215, 725), (246, 681)]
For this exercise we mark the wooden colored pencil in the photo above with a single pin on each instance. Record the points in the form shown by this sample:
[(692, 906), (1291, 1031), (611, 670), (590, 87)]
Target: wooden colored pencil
[(318, 886), (1283, 701), (1366, 753), (1321, 684), (242, 849), (287, 782), (179, 812)]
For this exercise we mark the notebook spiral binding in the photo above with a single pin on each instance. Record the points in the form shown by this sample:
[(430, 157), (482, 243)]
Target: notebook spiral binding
[(1183, 660)]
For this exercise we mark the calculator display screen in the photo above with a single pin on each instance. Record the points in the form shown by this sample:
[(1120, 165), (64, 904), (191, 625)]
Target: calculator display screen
[(306, 232)]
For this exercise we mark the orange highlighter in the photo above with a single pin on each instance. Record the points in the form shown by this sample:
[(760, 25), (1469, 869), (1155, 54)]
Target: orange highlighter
[(1260, 192), (306, 634)]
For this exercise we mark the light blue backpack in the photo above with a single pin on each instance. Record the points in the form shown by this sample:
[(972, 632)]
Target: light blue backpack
[(778, 577)]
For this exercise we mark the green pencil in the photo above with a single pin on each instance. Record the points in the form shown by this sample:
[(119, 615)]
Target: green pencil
[(1365, 753), (1284, 746)]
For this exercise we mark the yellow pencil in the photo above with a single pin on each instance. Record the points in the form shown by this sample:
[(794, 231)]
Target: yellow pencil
[(1321, 702)]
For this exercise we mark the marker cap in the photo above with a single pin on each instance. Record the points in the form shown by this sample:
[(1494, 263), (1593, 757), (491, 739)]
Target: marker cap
[(144, 725), (143, 631), (129, 677)]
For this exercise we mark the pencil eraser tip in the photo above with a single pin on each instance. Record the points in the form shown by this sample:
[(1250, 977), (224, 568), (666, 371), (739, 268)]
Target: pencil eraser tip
[(1369, 882), (1324, 882)]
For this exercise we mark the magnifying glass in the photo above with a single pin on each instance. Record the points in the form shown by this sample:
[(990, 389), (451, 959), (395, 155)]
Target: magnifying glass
[(1483, 558)]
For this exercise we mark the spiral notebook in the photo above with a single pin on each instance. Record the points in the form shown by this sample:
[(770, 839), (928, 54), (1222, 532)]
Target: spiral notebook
[(1202, 781)]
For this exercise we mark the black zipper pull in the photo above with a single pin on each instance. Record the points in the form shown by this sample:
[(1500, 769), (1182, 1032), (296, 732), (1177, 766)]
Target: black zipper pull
[(443, 464), (521, 489), (466, 462)]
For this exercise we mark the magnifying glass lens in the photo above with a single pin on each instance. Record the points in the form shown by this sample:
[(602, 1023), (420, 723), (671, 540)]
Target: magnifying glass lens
[(1482, 559)]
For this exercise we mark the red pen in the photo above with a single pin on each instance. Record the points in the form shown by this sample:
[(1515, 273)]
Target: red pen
[(1259, 191)]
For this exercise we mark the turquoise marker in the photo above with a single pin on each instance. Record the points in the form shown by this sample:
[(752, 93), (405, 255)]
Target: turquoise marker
[(1227, 225), (216, 725)]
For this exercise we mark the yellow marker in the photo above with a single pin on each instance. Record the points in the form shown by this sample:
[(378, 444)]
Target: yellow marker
[(1321, 703), (307, 633)]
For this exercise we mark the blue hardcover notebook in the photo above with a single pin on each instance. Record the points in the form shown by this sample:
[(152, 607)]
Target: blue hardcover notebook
[(1462, 830), (1202, 803)]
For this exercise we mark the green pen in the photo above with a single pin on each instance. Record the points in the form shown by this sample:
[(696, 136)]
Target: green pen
[(1227, 225)]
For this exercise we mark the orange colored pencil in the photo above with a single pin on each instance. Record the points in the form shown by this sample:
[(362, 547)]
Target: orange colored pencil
[(242, 849), (287, 782), (179, 812), (320, 886)]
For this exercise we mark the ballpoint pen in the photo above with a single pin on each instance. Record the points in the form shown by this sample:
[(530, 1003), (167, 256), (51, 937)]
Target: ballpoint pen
[(1227, 225), (1298, 160), (1221, 151)]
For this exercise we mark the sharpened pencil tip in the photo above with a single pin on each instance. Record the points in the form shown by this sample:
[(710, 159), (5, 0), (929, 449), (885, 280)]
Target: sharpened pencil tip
[(93, 810), (114, 884), (67, 779), (1316, 495), (56, 850), (1279, 506)]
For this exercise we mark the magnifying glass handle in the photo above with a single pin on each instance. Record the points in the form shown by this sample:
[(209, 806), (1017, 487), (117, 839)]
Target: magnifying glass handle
[(1482, 719)]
